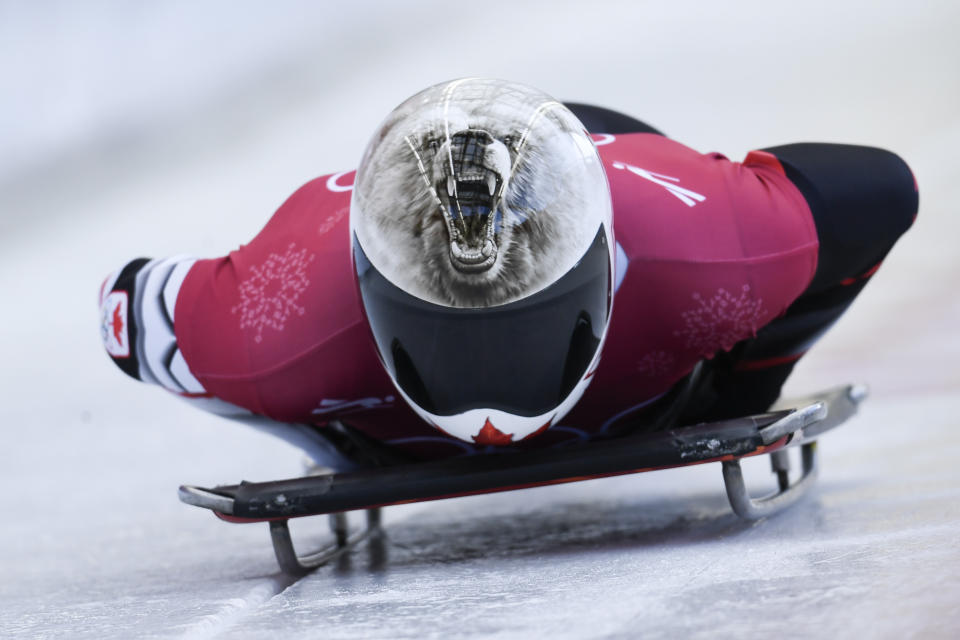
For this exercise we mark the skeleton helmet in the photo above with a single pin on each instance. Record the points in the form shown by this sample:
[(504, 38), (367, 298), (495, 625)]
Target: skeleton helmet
[(482, 239)]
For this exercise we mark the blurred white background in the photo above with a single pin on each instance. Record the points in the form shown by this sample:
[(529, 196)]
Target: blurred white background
[(151, 129)]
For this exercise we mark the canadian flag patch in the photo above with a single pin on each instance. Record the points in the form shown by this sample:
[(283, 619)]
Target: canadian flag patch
[(113, 324)]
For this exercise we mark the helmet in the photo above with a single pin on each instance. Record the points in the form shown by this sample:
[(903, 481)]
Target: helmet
[(482, 239)]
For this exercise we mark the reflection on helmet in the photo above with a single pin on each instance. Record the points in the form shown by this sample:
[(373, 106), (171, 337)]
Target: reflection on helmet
[(478, 192), (481, 221)]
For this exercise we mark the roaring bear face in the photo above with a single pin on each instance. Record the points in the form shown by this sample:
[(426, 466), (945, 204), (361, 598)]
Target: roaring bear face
[(478, 192)]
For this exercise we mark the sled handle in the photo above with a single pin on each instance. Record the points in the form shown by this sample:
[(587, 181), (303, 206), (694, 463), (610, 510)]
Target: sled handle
[(794, 423), (755, 508), (200, 497)]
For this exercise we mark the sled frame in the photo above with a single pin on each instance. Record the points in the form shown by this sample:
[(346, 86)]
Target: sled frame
[(726, 442)]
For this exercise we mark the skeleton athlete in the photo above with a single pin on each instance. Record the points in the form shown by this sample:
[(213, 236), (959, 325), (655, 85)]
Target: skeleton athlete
[(494, 277)]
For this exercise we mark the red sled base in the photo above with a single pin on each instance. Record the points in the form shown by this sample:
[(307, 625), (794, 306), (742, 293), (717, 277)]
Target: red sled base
[(370, 489)]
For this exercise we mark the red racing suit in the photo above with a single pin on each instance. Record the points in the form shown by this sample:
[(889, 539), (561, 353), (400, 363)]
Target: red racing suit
[(708, 252)]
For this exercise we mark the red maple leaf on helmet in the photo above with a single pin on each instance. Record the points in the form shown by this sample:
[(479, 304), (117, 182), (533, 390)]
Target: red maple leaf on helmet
[(490, 435), (117, 323), (541, 429)]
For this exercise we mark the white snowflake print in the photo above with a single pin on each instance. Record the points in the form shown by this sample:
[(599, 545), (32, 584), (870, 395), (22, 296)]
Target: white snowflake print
[(656, 364), (720, 321), (269, 295), (331, 221)]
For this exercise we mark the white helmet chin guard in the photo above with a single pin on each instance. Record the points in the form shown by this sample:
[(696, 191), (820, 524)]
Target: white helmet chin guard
[(482, 239)]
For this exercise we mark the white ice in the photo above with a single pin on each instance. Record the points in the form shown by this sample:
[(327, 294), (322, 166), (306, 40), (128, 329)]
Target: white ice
[(134, 129)]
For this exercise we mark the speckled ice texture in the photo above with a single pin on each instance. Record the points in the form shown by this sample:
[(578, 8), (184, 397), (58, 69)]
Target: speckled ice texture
[(153, 129)]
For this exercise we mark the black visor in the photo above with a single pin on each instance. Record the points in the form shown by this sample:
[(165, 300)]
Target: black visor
[(523, 357)]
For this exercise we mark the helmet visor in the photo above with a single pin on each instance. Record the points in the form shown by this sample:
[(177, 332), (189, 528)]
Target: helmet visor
[(523, 357)]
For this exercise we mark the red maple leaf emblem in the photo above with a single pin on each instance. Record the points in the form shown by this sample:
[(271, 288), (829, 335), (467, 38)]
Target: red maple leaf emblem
[(490, 435), (117, 324), (541, 429)]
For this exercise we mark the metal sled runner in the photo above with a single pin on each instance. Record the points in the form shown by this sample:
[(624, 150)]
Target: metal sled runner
[(370, 489)]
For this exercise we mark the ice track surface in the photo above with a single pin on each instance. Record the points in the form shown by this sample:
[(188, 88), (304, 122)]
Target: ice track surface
[(168, 129)]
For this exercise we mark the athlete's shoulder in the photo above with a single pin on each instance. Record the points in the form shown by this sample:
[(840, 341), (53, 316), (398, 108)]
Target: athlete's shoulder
[(670, 200), (314, 209), (648, 155), (651, 169)]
